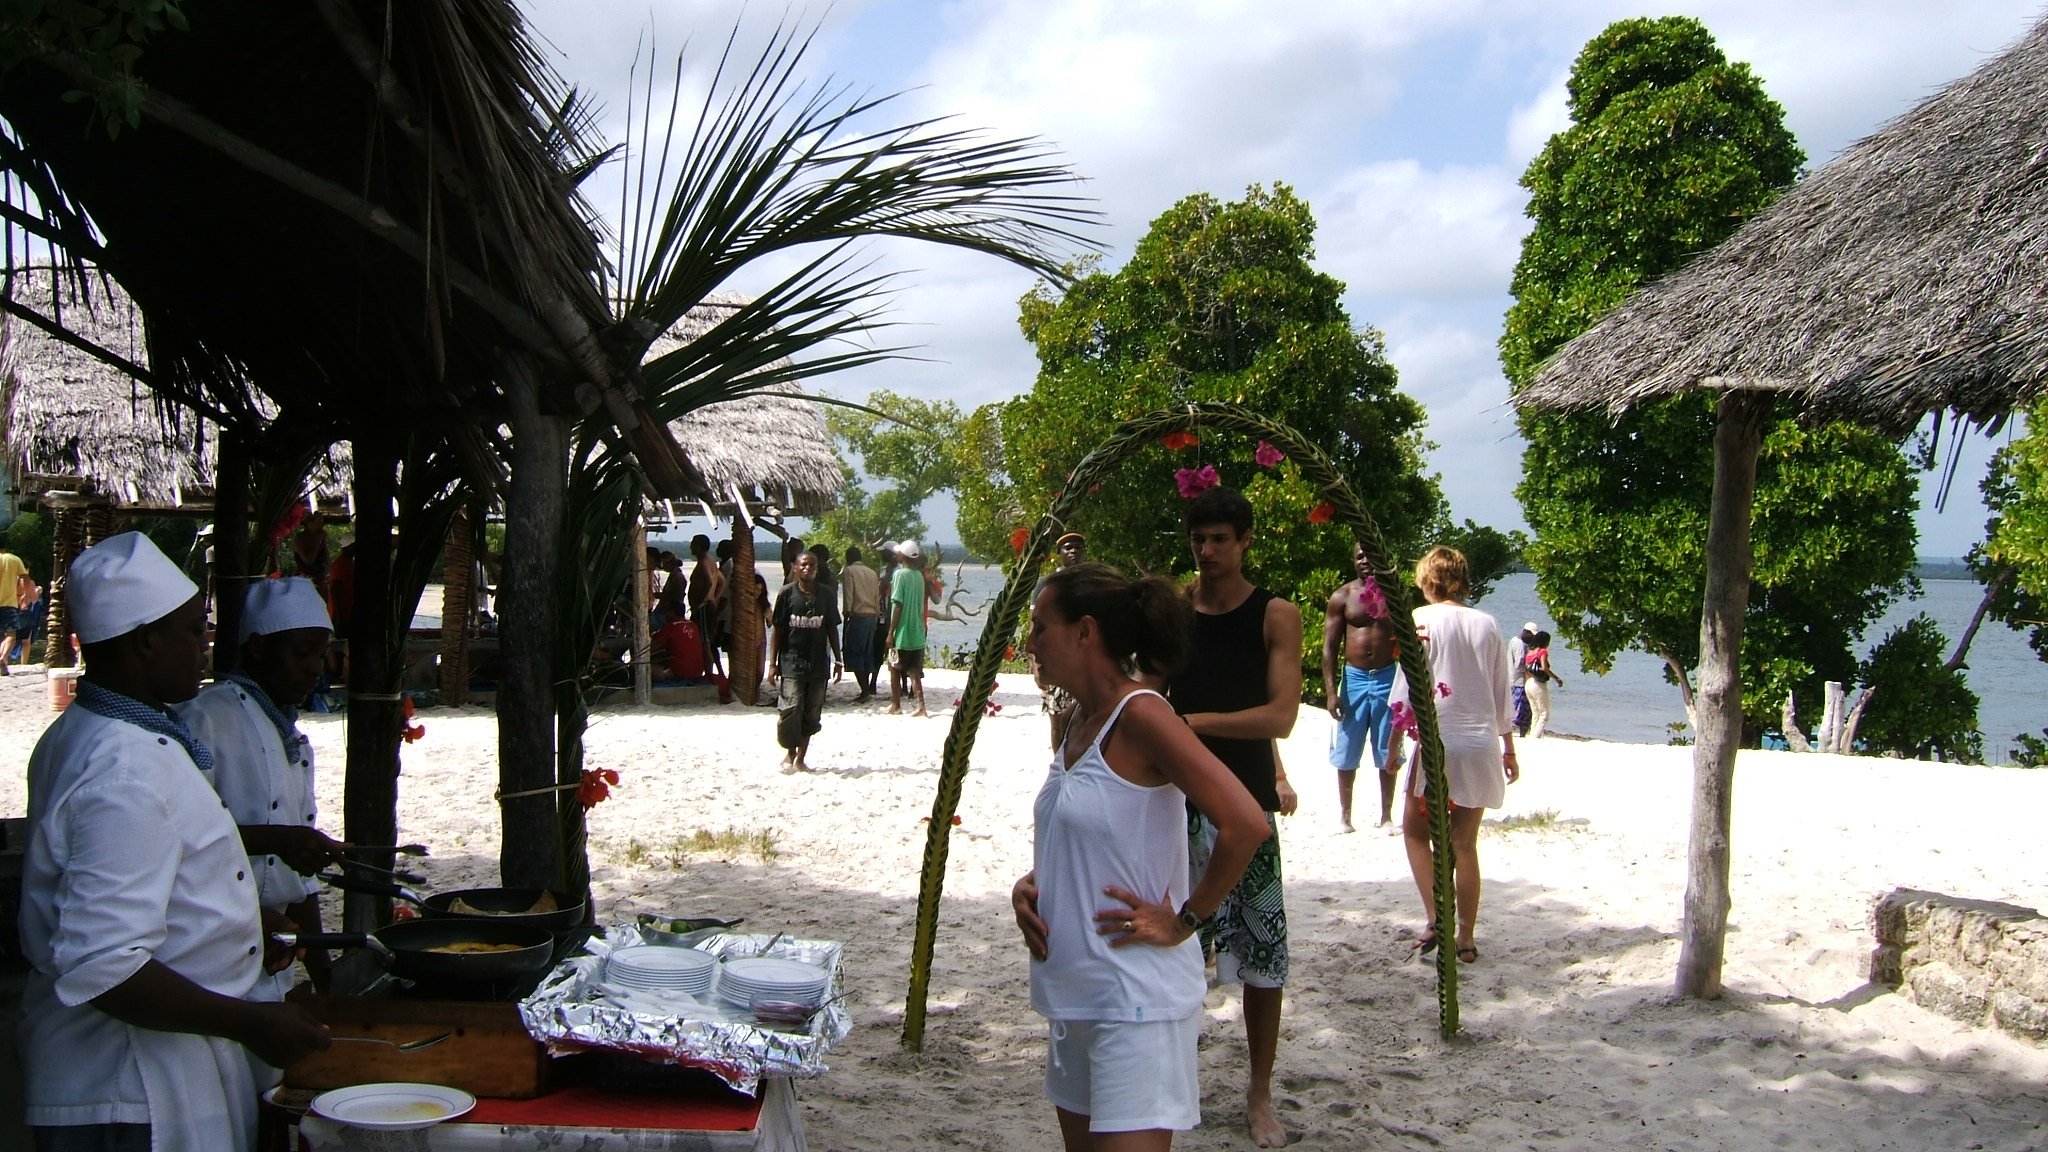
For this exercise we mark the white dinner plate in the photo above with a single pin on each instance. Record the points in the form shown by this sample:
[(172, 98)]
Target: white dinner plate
[(392, 1106)]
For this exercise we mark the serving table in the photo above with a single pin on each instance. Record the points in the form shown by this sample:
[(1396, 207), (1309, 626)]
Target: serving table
[(705, 1117)]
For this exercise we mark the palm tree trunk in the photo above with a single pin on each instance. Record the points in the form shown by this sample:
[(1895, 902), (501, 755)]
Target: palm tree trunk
[(744, 671), (230, 547), (1738, 437), (458, 576)]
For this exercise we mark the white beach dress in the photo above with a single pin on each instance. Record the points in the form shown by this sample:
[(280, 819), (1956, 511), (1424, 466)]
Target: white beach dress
[(1466, 653)]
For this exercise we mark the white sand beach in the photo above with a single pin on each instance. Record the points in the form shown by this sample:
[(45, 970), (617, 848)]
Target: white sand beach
[(1571, 1040)]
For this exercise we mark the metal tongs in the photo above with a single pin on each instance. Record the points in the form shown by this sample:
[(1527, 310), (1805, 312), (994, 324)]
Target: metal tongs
[(401, 849)]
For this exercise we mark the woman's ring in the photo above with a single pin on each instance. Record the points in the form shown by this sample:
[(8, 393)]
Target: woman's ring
[(1128, 925)]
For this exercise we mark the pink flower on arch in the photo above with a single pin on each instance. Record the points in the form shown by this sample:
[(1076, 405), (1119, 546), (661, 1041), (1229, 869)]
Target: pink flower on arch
[(1267, 455), (1193, 482), (1372, 599)]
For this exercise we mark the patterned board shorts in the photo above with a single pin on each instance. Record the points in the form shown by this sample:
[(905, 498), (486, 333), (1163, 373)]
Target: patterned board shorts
[(1251, 924)]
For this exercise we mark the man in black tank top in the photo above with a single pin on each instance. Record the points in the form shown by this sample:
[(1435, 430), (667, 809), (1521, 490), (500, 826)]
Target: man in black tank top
[(1240, 692)]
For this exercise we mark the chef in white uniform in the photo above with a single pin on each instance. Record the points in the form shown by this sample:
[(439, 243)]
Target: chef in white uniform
[(139, 910), (263, 764)]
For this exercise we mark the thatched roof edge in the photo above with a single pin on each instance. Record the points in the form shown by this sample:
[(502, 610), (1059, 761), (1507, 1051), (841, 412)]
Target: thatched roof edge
[(1902, 278)]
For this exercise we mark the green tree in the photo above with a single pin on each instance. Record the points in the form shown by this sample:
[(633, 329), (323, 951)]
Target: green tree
[(2013, 560), (1672, 147), (1919, 707), (1219, 302), (908, 451), (1489, 553)]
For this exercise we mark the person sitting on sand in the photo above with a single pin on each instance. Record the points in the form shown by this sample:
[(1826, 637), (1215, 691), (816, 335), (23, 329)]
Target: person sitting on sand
[(1108, 911), (1469, 660), (1356, 619)]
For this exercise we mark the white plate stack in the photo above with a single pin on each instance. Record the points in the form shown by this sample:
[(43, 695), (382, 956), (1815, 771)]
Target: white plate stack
[(656, 968), (753, 978)]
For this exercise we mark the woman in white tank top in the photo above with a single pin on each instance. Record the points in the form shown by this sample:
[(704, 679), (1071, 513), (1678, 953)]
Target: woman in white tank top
[(1105, 910)]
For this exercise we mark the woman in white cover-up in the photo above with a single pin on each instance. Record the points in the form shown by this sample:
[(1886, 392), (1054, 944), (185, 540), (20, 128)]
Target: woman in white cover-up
[(1106, 911)]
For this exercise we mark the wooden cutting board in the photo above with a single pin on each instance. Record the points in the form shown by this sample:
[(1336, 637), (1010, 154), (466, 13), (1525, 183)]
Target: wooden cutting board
[(488, 1055)]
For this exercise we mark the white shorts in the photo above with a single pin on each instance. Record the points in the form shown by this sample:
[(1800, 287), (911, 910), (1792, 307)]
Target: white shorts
[(1126, 1076)]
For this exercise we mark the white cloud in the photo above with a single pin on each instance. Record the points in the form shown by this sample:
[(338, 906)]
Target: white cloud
[(1531, 125), (1414, 183), (1397, 229)]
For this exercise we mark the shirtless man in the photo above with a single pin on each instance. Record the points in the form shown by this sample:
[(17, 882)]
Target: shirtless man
[(1357, 620), (707, 599)]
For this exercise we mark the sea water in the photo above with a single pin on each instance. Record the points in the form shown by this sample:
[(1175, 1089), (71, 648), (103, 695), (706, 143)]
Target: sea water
[(1633, 702)]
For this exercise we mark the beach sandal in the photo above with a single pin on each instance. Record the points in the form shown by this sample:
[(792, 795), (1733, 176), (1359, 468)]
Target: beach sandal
[(1424, 944), (1468, 955)]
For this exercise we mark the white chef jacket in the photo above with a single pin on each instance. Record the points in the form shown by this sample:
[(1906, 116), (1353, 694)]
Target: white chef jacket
[(251, 773), (132, 857)]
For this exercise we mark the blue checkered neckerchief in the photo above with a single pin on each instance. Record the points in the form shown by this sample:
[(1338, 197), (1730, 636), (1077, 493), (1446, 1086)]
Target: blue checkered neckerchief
[(103, 701), (286, 719)]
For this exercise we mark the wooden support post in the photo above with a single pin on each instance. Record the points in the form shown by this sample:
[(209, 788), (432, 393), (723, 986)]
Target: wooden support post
[(536, 510), (376, 666), (1737, 439), (643, 641)]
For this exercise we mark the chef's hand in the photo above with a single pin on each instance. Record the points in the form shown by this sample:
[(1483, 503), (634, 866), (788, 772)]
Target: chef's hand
[(283, 1033), (278, 957), (1024, 902), (304, 850)]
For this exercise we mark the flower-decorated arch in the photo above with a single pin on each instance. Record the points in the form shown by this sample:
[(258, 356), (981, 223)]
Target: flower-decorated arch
[(1338, 503)]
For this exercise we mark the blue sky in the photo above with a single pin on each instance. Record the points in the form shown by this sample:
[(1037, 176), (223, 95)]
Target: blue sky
[(1404, 123)]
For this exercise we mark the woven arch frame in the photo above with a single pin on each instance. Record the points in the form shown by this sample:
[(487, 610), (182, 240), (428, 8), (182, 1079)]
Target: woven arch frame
[(1000, 624)]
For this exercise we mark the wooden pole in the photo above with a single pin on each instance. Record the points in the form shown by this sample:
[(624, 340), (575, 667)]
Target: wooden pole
[(1738, 437), (536, 510), (376, 665), (643, 641)]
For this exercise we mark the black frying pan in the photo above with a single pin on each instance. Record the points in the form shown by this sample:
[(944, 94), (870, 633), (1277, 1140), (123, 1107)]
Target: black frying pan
[(405, 948), (498, 905)]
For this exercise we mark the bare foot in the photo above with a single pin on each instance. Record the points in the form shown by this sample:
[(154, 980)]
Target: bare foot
[(1267, 1131), (921, 712), (893, 711), (1345, 826)]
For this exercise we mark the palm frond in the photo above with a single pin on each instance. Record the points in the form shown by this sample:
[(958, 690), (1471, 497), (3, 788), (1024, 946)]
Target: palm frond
[(772, 165)]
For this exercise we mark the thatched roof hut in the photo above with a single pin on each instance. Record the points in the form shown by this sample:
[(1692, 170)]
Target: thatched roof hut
[(771, 448), (1906, 276), (73, 423)]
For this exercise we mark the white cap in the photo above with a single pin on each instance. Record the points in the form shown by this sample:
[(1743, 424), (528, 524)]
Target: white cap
[(120, 584), (909, 550), (281, 606), (1529, 627)]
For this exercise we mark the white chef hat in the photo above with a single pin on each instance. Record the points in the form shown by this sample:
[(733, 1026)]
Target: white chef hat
[(281, 606), (120, 584)]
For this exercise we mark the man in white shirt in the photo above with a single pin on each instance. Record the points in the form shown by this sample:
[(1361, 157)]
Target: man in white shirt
[(263, 764), (139, 910)]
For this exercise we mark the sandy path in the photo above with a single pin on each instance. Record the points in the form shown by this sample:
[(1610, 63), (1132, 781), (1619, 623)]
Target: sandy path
[(1571, 1039)]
